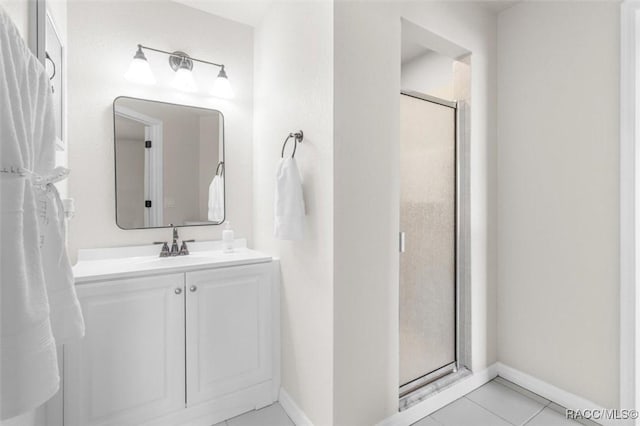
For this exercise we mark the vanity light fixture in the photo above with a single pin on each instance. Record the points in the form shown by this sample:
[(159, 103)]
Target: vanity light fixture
[(221, 86), (182, 64), (139, 70)]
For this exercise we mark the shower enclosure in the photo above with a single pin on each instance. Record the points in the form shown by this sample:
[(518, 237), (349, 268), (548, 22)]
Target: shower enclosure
[(428, 239)]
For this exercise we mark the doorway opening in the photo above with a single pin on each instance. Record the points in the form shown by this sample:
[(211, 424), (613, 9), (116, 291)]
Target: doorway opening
[(434, 215), (142, 141)]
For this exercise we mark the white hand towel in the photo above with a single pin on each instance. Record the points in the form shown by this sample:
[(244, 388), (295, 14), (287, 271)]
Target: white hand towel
[(289, 202), (216, 199), (37, 296)]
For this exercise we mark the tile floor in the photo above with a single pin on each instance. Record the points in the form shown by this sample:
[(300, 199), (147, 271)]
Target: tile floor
[(273, 415), (498, 403)]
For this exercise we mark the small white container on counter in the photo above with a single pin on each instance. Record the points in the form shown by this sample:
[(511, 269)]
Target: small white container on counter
[(227, 238)]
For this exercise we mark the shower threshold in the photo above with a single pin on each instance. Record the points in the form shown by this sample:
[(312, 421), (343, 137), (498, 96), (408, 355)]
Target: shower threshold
[(430, 384)]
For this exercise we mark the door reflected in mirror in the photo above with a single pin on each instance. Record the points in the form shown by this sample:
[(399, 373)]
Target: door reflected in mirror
[(169, 162)]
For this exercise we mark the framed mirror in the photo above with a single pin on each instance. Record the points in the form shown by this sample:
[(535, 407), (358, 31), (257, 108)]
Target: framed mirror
[(169, 164)]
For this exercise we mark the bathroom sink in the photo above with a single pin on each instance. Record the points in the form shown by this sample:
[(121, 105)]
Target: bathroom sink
[(157, 262), (174, 261), (145, 261)]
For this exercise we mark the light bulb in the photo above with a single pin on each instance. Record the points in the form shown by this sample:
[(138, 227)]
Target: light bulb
[(184, 78), (221, 86), (139, 69)]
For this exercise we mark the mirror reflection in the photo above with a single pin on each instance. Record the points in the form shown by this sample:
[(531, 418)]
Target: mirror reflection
[(169, 164)]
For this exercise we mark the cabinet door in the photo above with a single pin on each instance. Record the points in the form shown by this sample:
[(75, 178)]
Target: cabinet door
[(229, 334), (129, 367)]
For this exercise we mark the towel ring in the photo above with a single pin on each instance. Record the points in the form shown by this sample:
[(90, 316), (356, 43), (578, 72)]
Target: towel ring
[(298, 137), (52, 63), (220, 169)]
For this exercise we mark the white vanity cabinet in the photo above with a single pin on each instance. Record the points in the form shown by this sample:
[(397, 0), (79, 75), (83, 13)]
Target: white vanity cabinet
[(130, 365), (228, 331), (189, 348)]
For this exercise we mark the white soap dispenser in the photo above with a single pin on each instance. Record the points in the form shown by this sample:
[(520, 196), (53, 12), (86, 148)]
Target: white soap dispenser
[(227, 238)]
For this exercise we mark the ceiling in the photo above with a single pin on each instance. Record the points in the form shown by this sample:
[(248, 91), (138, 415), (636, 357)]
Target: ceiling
[(251, 12), (413, 45), (497, 6)]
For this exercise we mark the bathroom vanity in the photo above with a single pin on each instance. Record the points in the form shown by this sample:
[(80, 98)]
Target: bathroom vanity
[(189, 340)]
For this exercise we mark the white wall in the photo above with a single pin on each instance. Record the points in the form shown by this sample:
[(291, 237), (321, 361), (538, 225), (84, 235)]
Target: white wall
[(32, 418), (366, 194), (18, 11), (102, 40), (366, 217), (558, 194), (430, 73), (294, 90)]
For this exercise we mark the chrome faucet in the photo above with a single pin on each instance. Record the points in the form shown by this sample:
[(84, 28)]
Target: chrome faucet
[(164, 252), (175, 250), (184, 250)]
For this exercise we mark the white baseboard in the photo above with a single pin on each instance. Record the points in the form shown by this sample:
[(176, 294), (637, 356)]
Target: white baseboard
[(551, 392), (440, 399), (293, 411), (458, 390)]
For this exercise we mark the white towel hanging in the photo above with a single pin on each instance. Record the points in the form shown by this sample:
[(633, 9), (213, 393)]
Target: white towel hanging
[(289, 202), (216, 199), (38, 304)]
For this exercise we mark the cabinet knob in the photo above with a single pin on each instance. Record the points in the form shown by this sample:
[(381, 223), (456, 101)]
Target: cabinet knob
[(178, 290), (193, 288)]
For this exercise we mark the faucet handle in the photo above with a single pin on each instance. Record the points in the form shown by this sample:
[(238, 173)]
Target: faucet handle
[(174, 248), (164, 252), (184, 250)]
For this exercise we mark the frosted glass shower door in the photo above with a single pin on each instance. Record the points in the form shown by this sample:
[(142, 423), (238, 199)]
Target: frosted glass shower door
[(428, 221)]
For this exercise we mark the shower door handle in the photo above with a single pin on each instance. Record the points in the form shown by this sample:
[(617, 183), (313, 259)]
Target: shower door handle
[(401, 240)]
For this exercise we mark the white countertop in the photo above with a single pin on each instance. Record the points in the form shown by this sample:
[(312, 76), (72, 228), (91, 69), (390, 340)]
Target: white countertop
[(126, 262)]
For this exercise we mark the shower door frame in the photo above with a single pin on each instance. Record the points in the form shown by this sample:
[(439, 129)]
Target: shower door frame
[(461, 288)]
